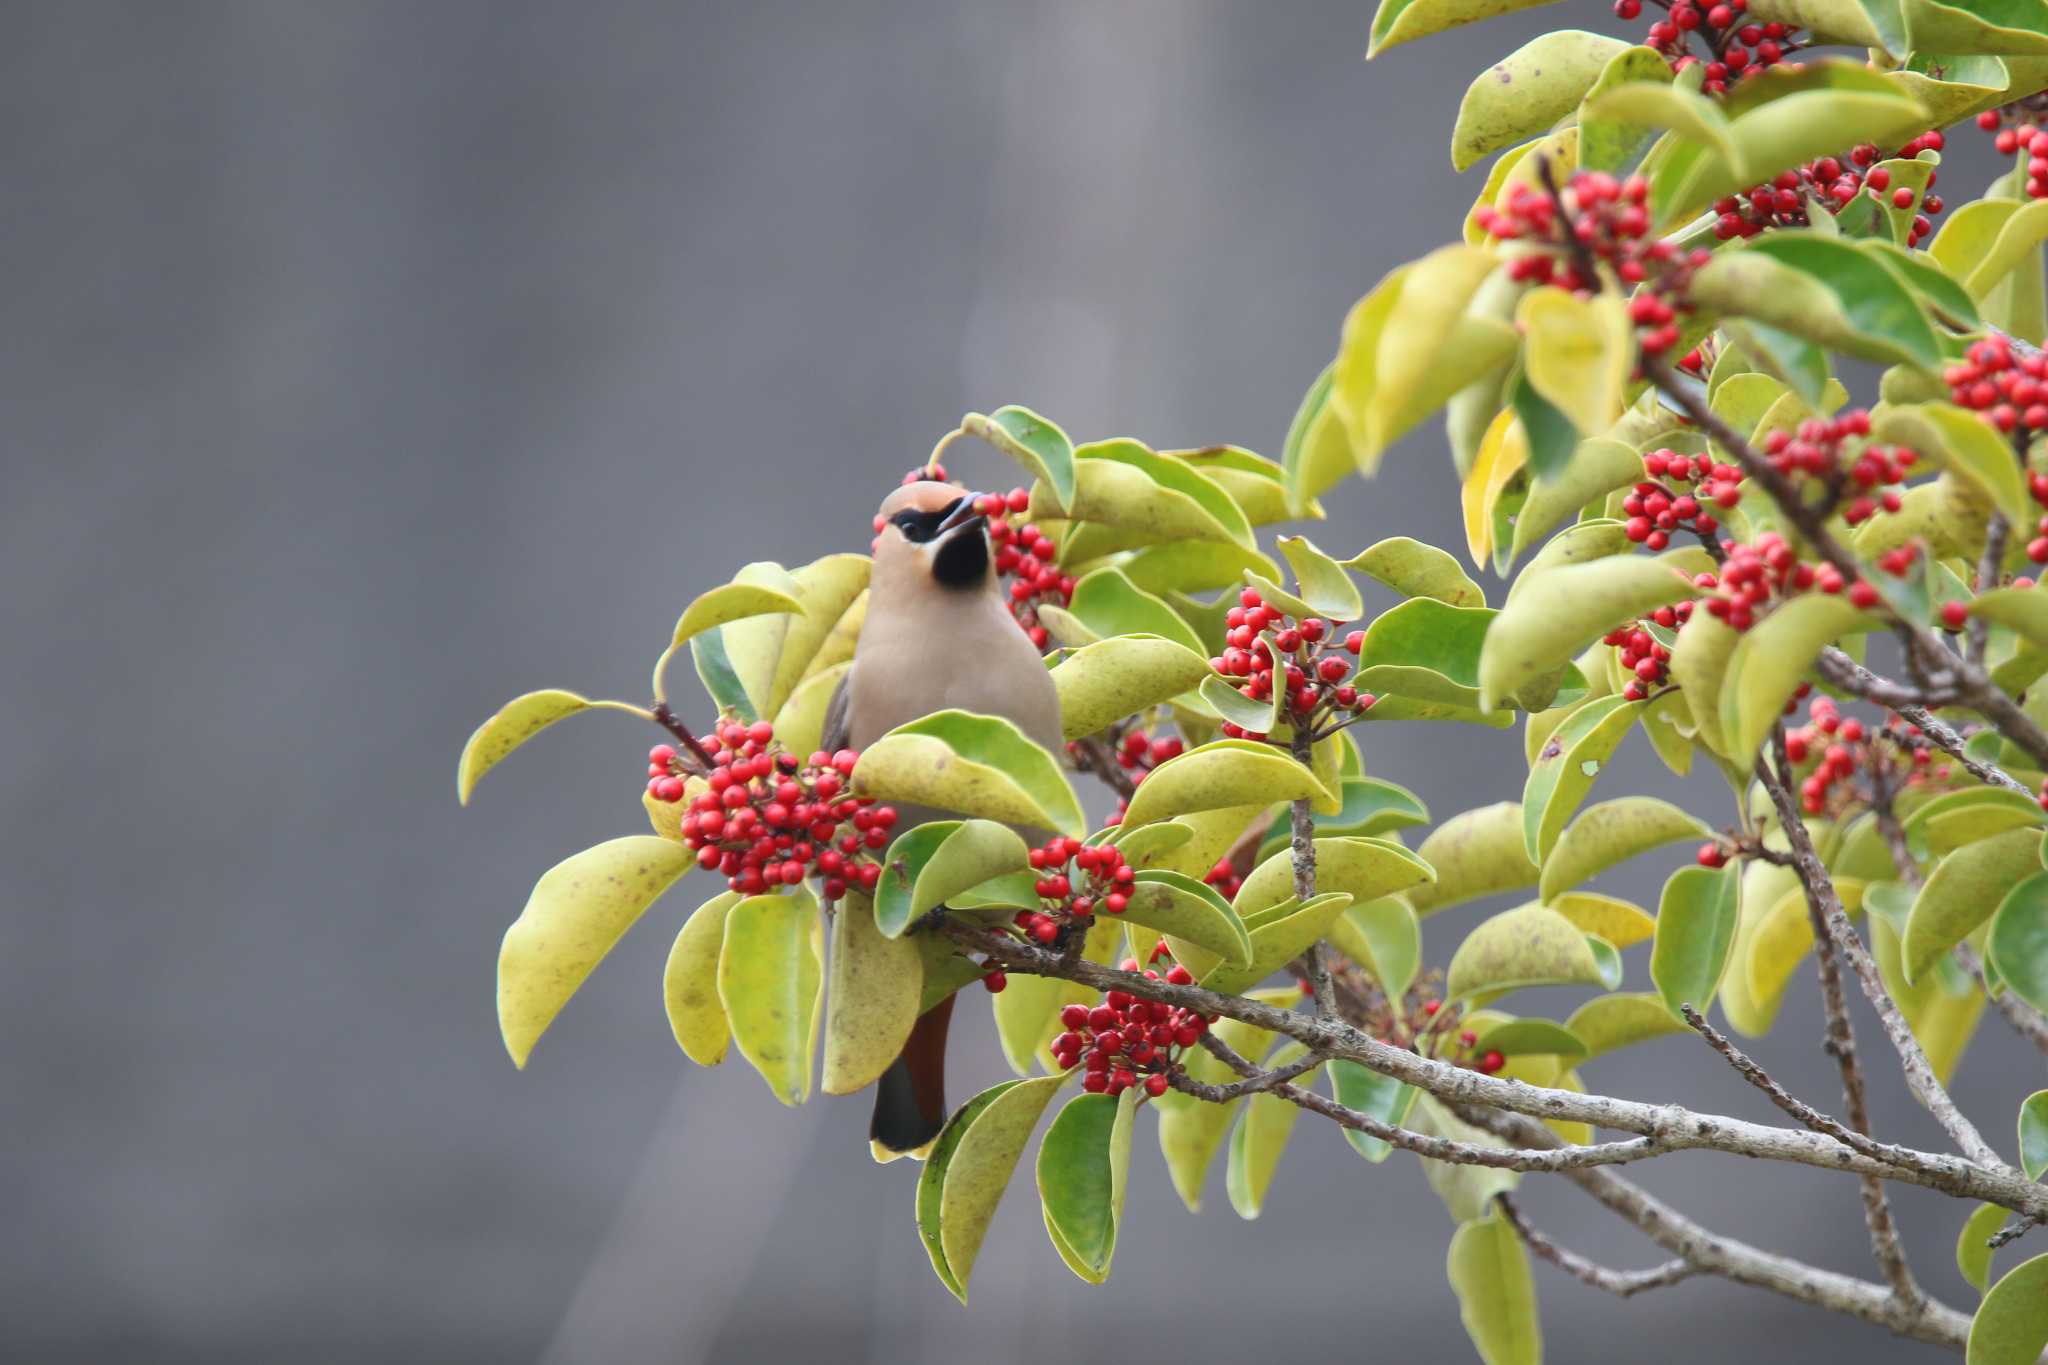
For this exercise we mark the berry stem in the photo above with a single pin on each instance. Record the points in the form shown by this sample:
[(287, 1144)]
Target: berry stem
[(666, 719)]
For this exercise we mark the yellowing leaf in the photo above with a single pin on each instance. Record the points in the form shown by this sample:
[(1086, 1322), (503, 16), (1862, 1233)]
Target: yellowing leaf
[(1258, 1141), (1223, 774), (1613, 919), (580, 907), (1968, 447), (1531, 945), (1366, 868), (1503, 451), (1102, 683), (1578, 353), (1496, 1293), (1963, 892), (1773, 658), (690, 982), (1607, 1022), (2011, 1326), (1613, 832), (978, 765), (1698, 663), (516, 722), (1526, 92), (978, 1170), (1475, 853), (771, 980), (1558, 611), (876, 987)]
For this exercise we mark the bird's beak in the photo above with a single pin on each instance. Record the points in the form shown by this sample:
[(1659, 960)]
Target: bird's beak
[(963, 514)]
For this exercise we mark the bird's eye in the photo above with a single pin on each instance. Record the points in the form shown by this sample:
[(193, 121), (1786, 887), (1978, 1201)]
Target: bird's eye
[(918, 527)]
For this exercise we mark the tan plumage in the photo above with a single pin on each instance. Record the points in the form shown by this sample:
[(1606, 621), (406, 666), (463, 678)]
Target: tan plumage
[(938, 635)]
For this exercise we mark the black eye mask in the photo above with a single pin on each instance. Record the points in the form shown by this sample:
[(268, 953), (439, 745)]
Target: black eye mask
[(919, 527)]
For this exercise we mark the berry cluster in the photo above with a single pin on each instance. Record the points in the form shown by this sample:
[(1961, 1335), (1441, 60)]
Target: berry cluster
[(1224, 877), (2018, 132), (1820, 449), (1138, 753), (1311, 682), (1608, 221), (1486, 1062), (1840, 746), (1833, 182), (766, 820), (1024, 555), (1654, 510), (1074, 881), (1125, 1041), (1736, 49), (2010, 392), (1643, 654)]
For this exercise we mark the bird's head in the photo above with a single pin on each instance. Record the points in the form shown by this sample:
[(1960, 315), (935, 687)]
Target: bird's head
[(930, 534)]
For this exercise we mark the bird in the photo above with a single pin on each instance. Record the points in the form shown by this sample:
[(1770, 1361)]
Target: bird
[(937, 636)]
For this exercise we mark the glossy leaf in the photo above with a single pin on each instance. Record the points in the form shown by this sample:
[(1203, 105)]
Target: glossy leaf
[(733, 602), (1125, 484), (1531, 945), (1526, 92), (976, 1171), (1559, 612), (1196, 565), (1258, 1141), (1696, 919), (1577, 353), (1566, 767), (1384, 1098), (2011, 1326), (1366, 869), (1033, 442), (1963, 891), (1322, 581), (771, 980), (1613, 919), (1107, 603), (2017, 947), (1287, 931), (1613, 832), (1608, 1022), (1773, 658), (1384, 938), (1476, 853), (1176, 904), (981, 766), (689, 982), (1496, 1293), (1973, 1251), (578, 909), (931, 1180), (516, 722), (1401, 21), (1415, 569), (1084, 1164), (874, 994), (1223, 774)]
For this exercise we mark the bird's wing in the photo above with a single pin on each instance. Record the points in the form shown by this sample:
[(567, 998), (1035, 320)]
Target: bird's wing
[(838, 718)]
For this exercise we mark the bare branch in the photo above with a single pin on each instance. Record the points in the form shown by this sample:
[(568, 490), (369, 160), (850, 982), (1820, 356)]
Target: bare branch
[(1623, 1283), (1094, 756), (1302, 850), (1995, 533), (2025, 1020)]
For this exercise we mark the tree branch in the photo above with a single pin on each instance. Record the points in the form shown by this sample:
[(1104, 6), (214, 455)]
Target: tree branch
[(1622, 1283), (1302, 850), (1093, 756), (1675, 1127)]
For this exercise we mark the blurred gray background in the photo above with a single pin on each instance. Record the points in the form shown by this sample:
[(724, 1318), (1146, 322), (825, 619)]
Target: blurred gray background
[(366, 364)]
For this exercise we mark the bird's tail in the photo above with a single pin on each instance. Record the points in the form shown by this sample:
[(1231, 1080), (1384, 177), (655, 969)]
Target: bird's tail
[(910, 1099)]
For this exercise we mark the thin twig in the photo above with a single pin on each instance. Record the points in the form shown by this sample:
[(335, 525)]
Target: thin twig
[(666, 718), (1302, 850), (1094, 756), (1623, 1283), (1988, 567)]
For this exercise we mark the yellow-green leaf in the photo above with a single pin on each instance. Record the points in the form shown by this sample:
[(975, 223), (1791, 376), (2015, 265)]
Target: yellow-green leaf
[(771, 980), (827, 587), (1366, 868), (1773, 658), (978, 1169), (1610, 917), (1562, 609), (733, 602), (1696, 921), (690, 982), (2011, 1326), (1475, 853), (1496, 1293), (1324, 584), (1531, 945), (978, 765), (516, 722), (1608, 1022), (580, 907), (1967, 446), (1258, 1141), (1277, 940), (970, 855), (1613, 832), (1125, 484), (1973, 1250), (1566, 767), (1084, 1164), (1033, 442), (1383, 1097), (1698, 663), (2017, 946), (1175, 904), (1222, 774), (2033, 1126), (1577, 353), (1383, 937), (876, 987), (1966, 888), (1597, 468), (1529, 90), (2024, 611)]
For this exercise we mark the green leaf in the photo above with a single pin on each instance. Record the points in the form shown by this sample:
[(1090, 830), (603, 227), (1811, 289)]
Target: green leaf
[(908, 854), (1317, 453), (1255, 717), (1192, 1131), (1475, 853), (2011, 1326), (1384, 1098), (1496, 1293), (1559, 611), (1606, 144), (1324, 584), (1033, 442), (2018, 944), (1373, 806), (978, 1169), (978, 765), (516, 722), (2024, 611), (1613, 832), (1967, 447), (1610, 917), (1696, 920), (1953, 819), (1531, 945), (1125, 484), (1577, 353), (721, 679), (1284, 934), (1196, 565), (1084, 1163), (689, 982), (1530, 1037), (875, 994), (1609, 1022), (1102, 683), (932, 1180), (1256, 484), (1965, 889), (1699, 661), (1176, 904), (1365, 868), (1106, 603), (2033, 1126), (1401, 21), (579, 908), (1528, 91), (1566, 767), (1410, 344), (771, 980), (1415, 569), (1426, 651), (1773, 658), (1223, 774), (1597, 468), (1973, 1251), (734, 602), (1258, 1141), (1384, 938), (1873, 295)]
